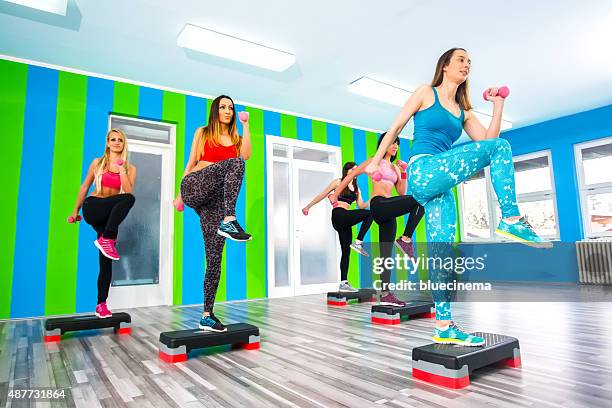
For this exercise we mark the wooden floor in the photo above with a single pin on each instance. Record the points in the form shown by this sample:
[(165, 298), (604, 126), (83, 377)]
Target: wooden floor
[(313, 355)]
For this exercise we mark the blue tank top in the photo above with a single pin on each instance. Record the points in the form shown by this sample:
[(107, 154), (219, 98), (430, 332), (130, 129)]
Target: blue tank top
[(435, 129)]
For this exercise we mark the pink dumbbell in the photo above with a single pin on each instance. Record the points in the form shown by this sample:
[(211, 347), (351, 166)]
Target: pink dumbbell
[(403, 166), (120, 162), (304, 211), (503, 91), (329, 196), (71, 219), (244, 116), (180, 207)]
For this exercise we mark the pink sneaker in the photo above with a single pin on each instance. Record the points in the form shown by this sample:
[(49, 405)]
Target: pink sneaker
[(391, 300), (406, 247), (107, 247), (102, 311)]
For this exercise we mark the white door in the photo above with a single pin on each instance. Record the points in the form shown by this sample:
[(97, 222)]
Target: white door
[(143, 275), (302, 250)]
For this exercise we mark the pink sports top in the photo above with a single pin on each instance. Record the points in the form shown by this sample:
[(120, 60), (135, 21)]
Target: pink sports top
[(389, 175), (111, 180)]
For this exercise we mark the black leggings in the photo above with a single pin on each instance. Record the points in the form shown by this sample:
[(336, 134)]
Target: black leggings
[(343, 221), (212, 192), (105, 215), (385, 211)]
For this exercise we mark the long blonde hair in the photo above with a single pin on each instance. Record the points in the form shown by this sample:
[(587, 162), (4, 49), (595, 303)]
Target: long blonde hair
[(462, 97), (212, 132), (104, 162)]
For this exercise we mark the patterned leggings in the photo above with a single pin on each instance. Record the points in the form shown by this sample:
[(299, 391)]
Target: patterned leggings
[(431, 179), (212, 192)]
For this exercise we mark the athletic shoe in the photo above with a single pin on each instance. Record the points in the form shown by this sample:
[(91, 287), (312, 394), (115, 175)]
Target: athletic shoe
[(391, 300), (233, 231), (405, 247), (521, 231), (102, 311), (208, 323), (359, 249), (454, 335), (107, 247), (215, 318), (345, 286)]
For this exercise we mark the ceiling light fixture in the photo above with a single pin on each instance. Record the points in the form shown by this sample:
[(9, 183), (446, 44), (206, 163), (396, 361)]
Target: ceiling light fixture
[(226, 46), (49, 6)]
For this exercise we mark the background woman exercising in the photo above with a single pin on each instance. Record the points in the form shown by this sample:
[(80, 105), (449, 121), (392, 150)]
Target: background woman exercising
[(344, 219), (107, 207), (385, 209), (211, 183)]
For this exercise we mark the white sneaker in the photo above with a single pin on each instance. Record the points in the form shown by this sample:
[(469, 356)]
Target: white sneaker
[(359, 248), (346, 287)]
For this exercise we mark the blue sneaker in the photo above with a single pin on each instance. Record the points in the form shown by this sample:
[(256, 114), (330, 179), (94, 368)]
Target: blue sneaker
[(233, 231), (454, 335), (209, 323), (521, 231)]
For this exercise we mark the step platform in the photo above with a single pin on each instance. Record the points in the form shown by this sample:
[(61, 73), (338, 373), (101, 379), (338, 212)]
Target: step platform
[(450, 366), (54, 328), (342, 298), (387, 314), (174, 345)]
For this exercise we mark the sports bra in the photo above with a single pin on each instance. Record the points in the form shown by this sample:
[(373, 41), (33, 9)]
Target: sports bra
[(218, 153), (348, 198), (389, 175), (111, 180)]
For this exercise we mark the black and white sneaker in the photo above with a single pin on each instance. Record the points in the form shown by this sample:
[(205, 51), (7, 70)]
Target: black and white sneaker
[(207, 323), (233, 231)]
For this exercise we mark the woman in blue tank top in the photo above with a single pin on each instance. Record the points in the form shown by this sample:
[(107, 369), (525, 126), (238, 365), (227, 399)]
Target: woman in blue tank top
[(441, 111)]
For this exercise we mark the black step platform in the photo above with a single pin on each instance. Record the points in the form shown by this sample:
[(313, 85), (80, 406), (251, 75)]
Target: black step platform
[(342, 298), (387, 314), (54, 328), (451, 366), (174, 345)]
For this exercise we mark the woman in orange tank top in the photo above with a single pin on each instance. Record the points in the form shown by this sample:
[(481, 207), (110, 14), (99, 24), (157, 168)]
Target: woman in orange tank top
[(211, 183)]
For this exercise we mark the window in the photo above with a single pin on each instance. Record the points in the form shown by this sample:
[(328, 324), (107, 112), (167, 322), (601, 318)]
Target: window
[(140, 129), (480, 213), (594, 164)]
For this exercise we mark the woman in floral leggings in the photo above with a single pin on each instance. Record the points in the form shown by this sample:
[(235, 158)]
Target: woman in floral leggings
[(441, 112)]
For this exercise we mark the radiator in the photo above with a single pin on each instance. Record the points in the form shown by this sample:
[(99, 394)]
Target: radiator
[(595, 261)]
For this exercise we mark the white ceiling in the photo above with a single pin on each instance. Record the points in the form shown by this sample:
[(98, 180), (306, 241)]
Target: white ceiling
[(556, 56)]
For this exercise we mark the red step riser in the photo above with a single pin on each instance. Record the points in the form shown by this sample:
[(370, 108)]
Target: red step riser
[(333, 303), (251, 346), (172, 358), (124, 330), (379, 320), (52, 339), (455, 383), (427, 315), (513, 362)]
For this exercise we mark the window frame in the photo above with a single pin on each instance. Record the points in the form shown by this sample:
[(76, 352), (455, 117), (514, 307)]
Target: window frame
[(585, 190), (520, 198)]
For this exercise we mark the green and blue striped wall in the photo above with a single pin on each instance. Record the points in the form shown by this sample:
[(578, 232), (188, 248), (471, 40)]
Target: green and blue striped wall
[(54, 125)]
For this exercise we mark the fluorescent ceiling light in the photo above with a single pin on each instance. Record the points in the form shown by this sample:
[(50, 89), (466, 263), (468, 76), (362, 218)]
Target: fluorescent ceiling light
[(393, 95), (226, 46), (50, 6), (372, 88)]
